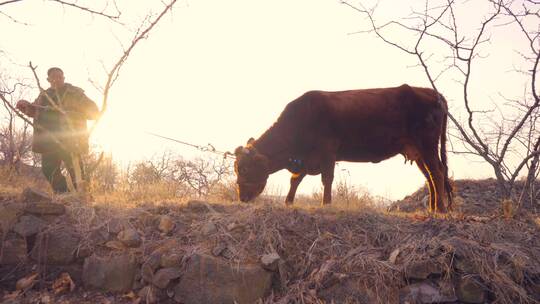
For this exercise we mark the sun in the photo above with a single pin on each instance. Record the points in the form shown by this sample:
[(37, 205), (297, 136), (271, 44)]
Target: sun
[(113, 135)]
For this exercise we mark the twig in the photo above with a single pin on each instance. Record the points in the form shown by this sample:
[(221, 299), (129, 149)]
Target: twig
[(89, 10)]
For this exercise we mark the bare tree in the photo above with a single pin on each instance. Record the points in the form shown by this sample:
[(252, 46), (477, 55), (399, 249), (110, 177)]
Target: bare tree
[(15, 137), (144, 173), (506, 137), (157, 169), (201, 174)]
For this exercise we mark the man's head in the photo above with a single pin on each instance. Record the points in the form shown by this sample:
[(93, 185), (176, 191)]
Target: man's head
[(252, 171), (55, 76)]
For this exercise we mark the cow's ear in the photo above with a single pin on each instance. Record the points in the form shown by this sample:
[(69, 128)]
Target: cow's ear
[(242, 151), (250, 141), (238, 150)]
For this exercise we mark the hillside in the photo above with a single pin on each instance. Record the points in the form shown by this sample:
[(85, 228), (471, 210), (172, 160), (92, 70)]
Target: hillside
[(216, 252), (473, 197)]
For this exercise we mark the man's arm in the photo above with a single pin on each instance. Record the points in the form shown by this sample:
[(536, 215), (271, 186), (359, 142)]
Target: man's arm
[(82, 105), (89, 108)]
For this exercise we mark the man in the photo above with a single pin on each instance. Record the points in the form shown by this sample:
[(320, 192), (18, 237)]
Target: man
[(60, 135)]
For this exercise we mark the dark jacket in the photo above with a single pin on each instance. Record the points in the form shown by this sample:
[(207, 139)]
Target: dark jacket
[(62, 126)]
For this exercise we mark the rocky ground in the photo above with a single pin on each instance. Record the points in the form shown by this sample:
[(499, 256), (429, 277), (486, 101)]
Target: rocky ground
[(472, 197), (63, 251)]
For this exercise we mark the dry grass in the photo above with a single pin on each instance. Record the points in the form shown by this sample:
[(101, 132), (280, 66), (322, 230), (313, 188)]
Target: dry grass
[(12, 182), (339, 253)]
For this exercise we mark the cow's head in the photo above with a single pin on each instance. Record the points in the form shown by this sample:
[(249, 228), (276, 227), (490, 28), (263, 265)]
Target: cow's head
[(251, 168)]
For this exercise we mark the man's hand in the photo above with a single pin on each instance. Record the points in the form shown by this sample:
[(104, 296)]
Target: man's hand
[(23, 105), (26, 107)]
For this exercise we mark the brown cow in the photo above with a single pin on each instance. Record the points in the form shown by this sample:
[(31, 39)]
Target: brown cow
[(319, 128)]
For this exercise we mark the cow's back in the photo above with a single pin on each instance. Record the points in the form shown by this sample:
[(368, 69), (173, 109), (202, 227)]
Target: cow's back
[(370, 125)]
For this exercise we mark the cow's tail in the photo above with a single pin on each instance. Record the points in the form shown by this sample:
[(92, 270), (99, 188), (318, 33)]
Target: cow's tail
[(444, 160)]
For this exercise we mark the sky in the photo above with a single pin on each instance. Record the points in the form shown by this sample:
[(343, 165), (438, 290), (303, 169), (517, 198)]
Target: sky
[(221, 72)]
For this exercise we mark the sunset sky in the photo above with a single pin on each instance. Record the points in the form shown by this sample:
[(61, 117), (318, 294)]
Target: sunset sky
[(222, 71)]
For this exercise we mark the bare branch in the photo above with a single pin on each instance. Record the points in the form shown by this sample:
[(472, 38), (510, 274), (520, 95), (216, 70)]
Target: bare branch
[(375, 29), (89, 10), (114, 72), (14, 110), (9, 1), (529, 111)]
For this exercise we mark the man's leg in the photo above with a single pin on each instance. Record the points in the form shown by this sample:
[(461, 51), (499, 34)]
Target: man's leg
[(68, 162), (50, 166)]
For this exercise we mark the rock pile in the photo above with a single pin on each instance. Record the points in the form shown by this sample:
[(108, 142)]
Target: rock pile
[(113, 257)]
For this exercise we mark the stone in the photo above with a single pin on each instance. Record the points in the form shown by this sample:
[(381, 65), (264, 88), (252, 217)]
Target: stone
[(99, 236), (55, 247), (148, 294), (144, 217), (423, 292), (29, 225), (115, 225), (129, 237), (164, 276), (166, 224), (197, 206), (170, 260), (30, 195), (14, 252), (464, 265), (44, 208), (208, 229), (469, 290), (210, 280), (270, 261), (115, 245), (150, 266), (114, 274), (421, 270), (85, 250), (9, 213), (26, 282), (347, 291)]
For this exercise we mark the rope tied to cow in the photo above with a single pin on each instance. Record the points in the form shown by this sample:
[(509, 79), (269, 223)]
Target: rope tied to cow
[(208, 148)]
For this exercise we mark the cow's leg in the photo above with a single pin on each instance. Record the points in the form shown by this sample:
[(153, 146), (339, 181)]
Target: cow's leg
[(435, 169), (327, 174), (296, 179), (431, 188)]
